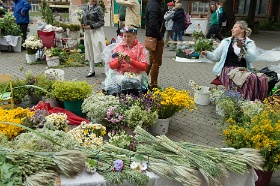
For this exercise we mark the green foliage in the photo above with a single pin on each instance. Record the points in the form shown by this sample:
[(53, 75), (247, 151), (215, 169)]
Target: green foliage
[(74, 27), (19, 91), (33, 142), (10, 174), (8, 25), (47, 13), (269, 25), (197, 34), (45, 83), (71, 90), (132, 176), (203, 44)]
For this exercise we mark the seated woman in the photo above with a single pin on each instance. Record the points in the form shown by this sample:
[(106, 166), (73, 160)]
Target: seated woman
[(239, 51), (126, 73)]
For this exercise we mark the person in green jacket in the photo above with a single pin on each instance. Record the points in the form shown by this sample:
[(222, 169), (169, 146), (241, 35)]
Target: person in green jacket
[(214, 29)]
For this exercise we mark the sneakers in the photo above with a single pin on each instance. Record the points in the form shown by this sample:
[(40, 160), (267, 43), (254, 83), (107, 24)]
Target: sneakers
[(91, 74)]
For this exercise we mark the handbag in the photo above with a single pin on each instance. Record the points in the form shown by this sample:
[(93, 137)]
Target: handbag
[(150, 43)]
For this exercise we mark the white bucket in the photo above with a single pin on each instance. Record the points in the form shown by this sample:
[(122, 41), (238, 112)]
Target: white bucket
[(57, 74), (202, 97), (160, 127), (52, 61), (31, 58)]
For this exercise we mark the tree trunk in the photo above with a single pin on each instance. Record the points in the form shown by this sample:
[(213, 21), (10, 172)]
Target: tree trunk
[(274, 12), (228, 7), (251, 13)]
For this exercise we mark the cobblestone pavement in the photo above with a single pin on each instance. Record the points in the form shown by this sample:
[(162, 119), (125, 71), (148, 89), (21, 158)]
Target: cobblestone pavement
[(199, 127)]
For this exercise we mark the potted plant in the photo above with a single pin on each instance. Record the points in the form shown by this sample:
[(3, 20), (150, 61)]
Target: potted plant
[(52, 56), (261, 132), (72, 93), (167, 102), (32, 44), (201, 93), (8, 25)]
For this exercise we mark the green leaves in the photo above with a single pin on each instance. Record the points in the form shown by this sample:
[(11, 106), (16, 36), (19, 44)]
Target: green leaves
[(203, 44), (9, 173), (8, 25)]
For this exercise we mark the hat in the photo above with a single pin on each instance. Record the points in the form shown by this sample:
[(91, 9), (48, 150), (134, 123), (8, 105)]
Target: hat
[(170, 3)]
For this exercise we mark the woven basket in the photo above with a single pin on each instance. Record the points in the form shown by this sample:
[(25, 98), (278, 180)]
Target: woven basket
[(274, 98)]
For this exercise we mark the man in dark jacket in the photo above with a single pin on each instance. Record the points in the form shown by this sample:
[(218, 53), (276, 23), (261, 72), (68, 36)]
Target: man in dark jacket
[(21, 13), (154, 23)]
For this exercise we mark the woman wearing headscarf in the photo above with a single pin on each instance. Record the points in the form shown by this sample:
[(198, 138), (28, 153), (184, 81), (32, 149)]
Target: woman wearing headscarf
[(234, 57)]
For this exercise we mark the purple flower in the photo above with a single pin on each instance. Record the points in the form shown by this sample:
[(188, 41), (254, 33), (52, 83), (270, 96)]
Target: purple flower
[(118, 165)]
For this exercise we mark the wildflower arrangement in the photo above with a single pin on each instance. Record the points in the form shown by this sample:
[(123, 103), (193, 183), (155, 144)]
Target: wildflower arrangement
[(97, 105), (17, 115), (115, 117), (169, 101), (260, 132), (122, 140), (32, 44), (194, 86), (79, 13), (229, 101), (50, 52), (56, 121), (39, 118), (89, 135)]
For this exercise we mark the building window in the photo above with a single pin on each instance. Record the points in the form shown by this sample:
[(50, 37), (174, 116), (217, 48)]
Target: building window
[(199, 7), (243, 7)]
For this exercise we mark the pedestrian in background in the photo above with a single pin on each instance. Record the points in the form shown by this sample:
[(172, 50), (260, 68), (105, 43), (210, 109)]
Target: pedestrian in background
[(154, 23), (21, 13), (94, 37), (169, 23), (122, 14), (214, 25), (179, 22), (132, 16)]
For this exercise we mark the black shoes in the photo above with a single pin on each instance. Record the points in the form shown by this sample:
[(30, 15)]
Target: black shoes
[(91, 74)]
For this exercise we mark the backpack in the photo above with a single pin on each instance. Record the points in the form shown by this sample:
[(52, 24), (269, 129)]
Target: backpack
[(187, 20), (223, 17)]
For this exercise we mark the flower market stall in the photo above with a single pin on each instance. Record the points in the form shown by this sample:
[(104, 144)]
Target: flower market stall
[(40, 148)]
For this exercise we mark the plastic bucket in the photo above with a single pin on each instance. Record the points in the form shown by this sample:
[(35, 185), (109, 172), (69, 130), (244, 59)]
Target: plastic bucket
[(55, 74), (160, 127), (74, 106), (202, 97), (53, 61)]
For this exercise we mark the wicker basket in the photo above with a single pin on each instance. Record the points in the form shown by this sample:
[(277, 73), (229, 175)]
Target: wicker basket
[(274, 98)]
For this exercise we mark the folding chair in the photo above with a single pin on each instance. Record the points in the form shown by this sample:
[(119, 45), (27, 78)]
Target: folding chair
[(48, 40), (6, 98)]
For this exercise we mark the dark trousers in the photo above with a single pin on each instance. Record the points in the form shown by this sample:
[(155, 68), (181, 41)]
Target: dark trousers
[(214, 31), (23, 29), (155, 62)]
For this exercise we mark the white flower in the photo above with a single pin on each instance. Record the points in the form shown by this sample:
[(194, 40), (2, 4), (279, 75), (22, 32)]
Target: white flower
[(135, 166), (143, 166)]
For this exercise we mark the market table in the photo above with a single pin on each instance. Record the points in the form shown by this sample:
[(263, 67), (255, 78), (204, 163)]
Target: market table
[(10, 43), (87, 179)]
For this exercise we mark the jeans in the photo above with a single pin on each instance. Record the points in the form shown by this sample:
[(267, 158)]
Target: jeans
[(179, 34), (155, 62)]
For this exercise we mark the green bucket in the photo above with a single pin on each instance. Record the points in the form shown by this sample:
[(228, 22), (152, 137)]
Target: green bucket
[(74, 106)]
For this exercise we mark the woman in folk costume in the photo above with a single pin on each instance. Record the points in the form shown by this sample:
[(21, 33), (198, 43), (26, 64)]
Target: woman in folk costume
[(94, 38), (234, 56)]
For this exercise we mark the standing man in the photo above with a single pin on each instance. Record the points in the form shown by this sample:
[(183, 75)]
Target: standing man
[(169, 22), (132, 16), (21, 13), (94, 37), (154, 23)]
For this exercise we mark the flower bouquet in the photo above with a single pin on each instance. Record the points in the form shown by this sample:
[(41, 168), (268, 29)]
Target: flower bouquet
[(32, 44), (89, 135), (260, 132), (168, 101), (56, 121)]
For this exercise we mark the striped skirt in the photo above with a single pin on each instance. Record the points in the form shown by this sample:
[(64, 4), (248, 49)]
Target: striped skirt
[(254, 87)]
